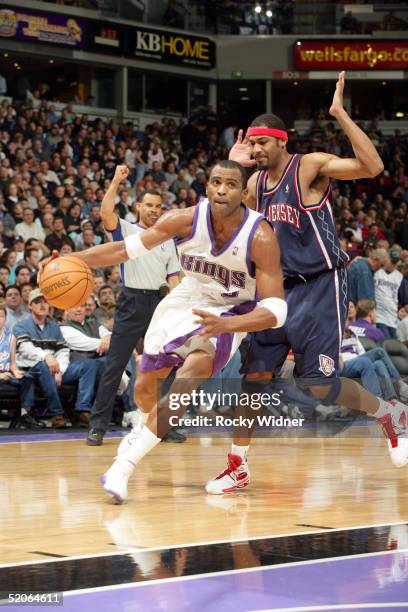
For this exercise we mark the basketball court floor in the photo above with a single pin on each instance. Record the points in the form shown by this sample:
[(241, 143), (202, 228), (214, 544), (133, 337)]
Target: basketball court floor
[(324, 526)]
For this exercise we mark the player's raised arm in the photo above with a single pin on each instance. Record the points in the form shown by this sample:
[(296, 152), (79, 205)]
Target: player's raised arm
[(366, 164), (109, 218)]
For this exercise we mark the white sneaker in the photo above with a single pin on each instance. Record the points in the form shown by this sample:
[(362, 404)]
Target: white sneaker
[(128, 440), (235, 477), (115, 480), (398, 449), (395, 428)]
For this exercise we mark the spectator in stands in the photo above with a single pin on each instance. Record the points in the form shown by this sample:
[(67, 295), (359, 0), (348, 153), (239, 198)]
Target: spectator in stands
[(387, 283), (180, 182), (90, 307), (31, 260), (87, 339), (402, 329), (10, 372), (361, 275), (106, 298), (54, 240), (22, 275), (26, 289), (16, 311), (98, 280), (4, 274), (375, 368), (364, 325), (29, 228), (44, 356)]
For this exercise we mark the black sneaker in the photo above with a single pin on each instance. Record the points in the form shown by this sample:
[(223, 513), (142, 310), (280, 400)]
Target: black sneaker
[(174, 436), (26, 421), (95, 437)]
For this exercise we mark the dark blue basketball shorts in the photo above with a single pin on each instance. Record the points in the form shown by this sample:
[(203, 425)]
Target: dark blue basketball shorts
[(314, 328)]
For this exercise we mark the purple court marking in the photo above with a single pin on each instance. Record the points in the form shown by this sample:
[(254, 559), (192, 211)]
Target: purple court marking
[(373, 579), (57, 436), (191, 431)]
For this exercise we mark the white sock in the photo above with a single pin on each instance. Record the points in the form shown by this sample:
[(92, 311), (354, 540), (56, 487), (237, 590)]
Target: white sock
[(383, 408), (241, 451), (143, 417), (143, 445)]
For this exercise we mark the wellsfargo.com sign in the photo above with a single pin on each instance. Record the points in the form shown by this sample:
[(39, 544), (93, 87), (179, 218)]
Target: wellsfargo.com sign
[(173, 48), (351, 55)]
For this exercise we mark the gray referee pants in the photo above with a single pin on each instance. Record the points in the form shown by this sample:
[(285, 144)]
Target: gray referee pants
[(134, 310)]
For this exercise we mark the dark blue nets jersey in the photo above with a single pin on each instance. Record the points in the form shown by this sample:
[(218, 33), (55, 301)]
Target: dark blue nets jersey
[(307, 237)]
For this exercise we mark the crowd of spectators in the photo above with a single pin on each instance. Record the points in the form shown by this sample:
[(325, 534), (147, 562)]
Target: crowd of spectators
[(54, 170)]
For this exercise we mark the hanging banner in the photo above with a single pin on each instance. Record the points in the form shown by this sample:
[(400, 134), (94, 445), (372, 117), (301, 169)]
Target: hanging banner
[(170, 47), (351, 55), (36, 26)]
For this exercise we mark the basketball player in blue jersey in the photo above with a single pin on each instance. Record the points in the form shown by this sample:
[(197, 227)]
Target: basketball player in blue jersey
[(230, 258), (293, 192)]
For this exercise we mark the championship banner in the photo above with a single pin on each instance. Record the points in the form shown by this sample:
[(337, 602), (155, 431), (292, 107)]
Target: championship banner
[(170, 47), (351, 55), (36, 26)]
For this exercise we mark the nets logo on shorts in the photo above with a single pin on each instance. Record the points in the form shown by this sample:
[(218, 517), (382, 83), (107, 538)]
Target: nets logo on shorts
[(326, 365)]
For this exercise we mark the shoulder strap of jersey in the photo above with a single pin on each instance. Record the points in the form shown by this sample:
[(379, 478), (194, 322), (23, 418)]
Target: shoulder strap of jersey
[(260, 187)]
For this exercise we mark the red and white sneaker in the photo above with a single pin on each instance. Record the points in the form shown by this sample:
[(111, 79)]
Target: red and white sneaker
[(395, 428), (234, 478)]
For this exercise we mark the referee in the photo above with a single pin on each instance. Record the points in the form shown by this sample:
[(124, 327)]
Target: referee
[(142, 279)]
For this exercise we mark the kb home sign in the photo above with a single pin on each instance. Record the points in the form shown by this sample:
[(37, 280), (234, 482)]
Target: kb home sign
[(171, 47)]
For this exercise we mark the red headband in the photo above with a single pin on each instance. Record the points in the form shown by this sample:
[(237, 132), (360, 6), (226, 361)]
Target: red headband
[(264, 131)]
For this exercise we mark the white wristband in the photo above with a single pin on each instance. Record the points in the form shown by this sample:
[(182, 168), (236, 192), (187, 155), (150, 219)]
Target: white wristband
[(277, 307), (134, 246)]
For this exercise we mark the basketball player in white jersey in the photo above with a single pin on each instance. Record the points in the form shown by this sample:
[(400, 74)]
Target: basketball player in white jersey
[(230, 258)]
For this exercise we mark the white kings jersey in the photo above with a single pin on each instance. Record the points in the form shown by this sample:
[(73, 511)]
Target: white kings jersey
[(224, 276), (386, 285)]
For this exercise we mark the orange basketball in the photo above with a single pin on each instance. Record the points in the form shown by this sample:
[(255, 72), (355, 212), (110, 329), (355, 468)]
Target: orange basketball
[(66, 282)]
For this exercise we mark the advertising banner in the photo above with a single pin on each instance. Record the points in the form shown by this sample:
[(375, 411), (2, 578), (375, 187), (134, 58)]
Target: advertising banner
[(351, 55), (37, 26)]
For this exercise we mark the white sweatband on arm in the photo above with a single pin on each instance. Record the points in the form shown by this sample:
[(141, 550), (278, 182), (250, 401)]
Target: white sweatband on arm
[(277, 307), (134, 246)]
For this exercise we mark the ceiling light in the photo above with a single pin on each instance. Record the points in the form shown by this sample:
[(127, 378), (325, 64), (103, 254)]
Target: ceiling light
[(258, 9), (269, 13), (5, 54), (245, 98), (400, 114), (243, 89), (295, 83)]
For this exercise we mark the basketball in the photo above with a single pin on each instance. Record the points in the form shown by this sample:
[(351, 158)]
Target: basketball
[(66, 282)]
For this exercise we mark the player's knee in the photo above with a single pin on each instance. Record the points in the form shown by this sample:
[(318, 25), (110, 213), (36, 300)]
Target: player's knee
[(196, 365), (327, 393), (144, 387)]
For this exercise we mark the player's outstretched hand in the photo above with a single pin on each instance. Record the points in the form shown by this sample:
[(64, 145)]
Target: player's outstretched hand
[(337, 103), (121, 173), (44, 263), (213, 325), (241, 151)]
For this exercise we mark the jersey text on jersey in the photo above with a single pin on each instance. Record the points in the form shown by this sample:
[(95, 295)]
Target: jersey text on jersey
[(226, 277)]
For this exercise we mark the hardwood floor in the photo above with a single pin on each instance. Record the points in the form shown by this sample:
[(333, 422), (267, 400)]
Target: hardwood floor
[(52, 502)]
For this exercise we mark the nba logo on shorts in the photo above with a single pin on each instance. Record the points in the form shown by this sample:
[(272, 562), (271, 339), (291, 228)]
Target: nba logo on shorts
[(235, 251), (287, 189), (326, 365)]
